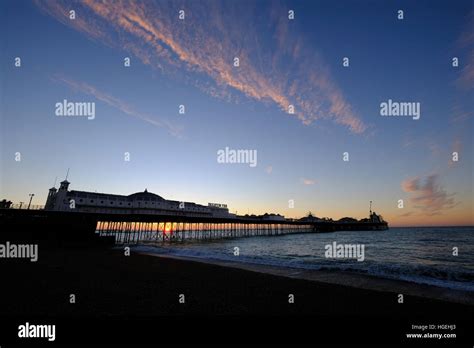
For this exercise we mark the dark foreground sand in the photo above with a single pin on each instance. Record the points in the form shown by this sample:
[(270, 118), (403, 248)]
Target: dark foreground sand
[(107, 283), (135, 299)]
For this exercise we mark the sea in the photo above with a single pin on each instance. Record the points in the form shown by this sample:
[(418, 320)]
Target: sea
[(424, 255)]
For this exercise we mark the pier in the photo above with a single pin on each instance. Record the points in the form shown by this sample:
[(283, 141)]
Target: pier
[(135, 232), (81, 228)]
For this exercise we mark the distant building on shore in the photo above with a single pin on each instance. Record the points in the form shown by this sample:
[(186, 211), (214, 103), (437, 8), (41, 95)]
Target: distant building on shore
[(272, 217), (137, 203), (266, 217)]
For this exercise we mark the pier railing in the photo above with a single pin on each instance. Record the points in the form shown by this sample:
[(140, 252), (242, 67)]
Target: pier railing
[(24, 206)]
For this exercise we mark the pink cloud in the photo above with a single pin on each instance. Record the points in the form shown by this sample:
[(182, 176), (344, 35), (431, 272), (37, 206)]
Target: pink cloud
[(427, 195), (306, 181), (411, 185), (201, 52)]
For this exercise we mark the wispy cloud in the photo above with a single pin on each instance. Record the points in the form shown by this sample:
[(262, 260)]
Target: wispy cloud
[(427, 195), (434, 149), (408, 142), (460, 110), (456, 147), (466, 42), (276, 66), (114, 102), (306, 181), (467, 75), (410, 213), (460, 113)]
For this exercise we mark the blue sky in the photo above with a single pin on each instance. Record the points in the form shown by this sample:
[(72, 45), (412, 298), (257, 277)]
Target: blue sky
[(189, 62)]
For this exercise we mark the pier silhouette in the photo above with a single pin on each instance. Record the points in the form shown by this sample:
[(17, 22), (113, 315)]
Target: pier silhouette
[(63, 227)]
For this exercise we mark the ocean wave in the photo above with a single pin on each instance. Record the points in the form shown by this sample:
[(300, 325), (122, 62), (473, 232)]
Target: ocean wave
[(460, 279)]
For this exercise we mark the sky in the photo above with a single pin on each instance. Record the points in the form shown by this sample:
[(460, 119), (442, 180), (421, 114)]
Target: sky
[(138, 139)]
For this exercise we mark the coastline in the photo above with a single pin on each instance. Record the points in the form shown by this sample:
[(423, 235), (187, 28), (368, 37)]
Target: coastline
[(340, 278)]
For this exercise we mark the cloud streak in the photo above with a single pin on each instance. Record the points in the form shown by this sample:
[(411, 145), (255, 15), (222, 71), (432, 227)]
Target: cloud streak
[(427, 195), (116, 103), (466, 41), (306, 181), (276, 66)]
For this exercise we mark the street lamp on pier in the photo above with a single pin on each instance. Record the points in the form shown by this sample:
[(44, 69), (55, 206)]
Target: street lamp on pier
[(31, 198)]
